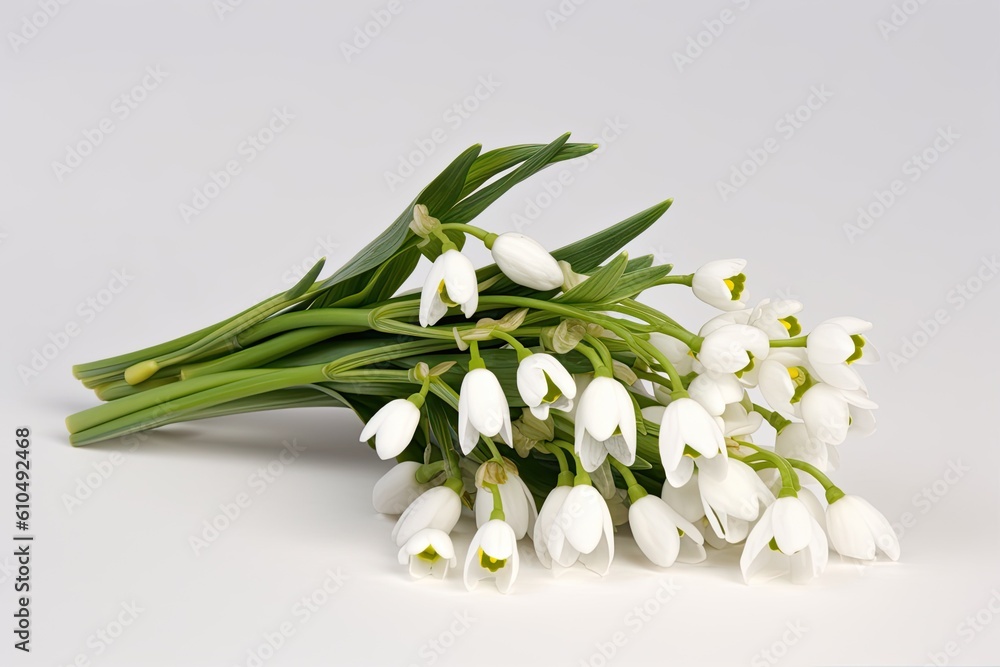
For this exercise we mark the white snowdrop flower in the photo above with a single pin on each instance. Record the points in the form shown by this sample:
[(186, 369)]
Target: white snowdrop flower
[(786, 536), (721, 283), (676, 351), (662, 534), (731, 488), (428, 552), (451, 282), (793, 442), (835, 345), (545, 383), (396, 489), (482, 409), (518, 505), (686, 422), (526, 262), (438, 508), (582, 531), (393, 427), (736, 348), (492, 555), (543, 526), (826, 412), (858, 530), (715, 390), (605, 424)]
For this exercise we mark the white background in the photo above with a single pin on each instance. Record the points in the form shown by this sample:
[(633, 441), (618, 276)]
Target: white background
[(320, 189)]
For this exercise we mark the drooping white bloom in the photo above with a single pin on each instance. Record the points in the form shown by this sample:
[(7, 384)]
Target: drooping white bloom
[(543, 526), (492, 554), (738, 422), (685, 499), (800, 541), (779, 380), (776, 318), (605, 424), (582, 530), (835, 345), (793, 442), (450, 282), (393, 427), (735, 348), (662, 534), (482, 409), (826, 412), (438, 508), (721, 284), (676, 351), (428, 552), (526, 262), (518, 505), (686, 422), (545, 383), (858, 530), (396, 489), (731, 488), (715, 390)]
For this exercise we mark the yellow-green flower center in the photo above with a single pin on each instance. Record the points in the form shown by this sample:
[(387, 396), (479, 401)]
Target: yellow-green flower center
[(859, 342), (443, 293), (552, 392), (489, 562), (429, 555), (735, 285), (802, 381), (791, 324)]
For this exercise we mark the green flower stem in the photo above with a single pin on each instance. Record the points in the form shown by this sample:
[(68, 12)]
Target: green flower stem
[(582, 477), (611, 323), (675, 378), (687, 279), (654, 378), (222, 389), (773, 417), (475, 360), (497, 512), (657, 320), (789, 480), (833, 492), (493, 448), (263, 353), (144, 369), (601, 349), (565, 475), (486, 237), (427, 472), (635, 489), (119, 363), (799, 341), (522, 352), (348, 318), (595, 360)]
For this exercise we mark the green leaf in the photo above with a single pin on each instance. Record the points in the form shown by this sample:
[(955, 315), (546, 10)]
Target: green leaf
[(476, 203), (639, 263), (439, 416), (595, 288), (493, 162), (641, 464), (438, 197), (631, 284), (306, 281), (586, 254)]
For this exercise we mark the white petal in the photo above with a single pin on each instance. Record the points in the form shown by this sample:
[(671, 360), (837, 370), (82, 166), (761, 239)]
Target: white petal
[(792, 524)]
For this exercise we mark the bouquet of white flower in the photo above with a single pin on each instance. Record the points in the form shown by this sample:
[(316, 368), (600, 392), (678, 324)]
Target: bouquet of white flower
[(540, 381)]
